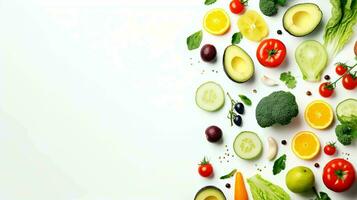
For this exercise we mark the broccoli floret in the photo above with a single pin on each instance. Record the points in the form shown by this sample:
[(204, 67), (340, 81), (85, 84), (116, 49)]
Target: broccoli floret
[(277, 108), (280, 2), (268, 7), (344, 134)]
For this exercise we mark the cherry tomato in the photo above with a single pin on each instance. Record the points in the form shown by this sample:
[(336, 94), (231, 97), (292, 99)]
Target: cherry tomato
[(349, 82), (341, 69), (338, 175), (236, 6), (271, 53), (326, 89), (330, 149), (205, 168)]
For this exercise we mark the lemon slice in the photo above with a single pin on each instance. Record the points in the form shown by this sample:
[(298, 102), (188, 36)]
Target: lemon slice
[(319, 114), (216, 21), (305, 145), (252, 26)]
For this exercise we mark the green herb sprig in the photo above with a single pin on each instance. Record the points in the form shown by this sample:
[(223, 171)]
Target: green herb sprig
[(231, 113), (288, 79)]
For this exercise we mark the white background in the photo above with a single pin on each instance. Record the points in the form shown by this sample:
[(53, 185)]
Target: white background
[(97, 101)]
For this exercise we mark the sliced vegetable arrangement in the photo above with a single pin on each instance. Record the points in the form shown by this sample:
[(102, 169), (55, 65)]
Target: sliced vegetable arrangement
[(279, 108)]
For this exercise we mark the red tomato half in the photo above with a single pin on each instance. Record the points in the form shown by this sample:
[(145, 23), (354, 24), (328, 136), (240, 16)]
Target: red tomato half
[(338, 175), (271, 53)]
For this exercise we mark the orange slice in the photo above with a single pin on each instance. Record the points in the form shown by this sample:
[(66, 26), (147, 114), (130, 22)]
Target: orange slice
[(319, 114), (216, 21), (305, 145)]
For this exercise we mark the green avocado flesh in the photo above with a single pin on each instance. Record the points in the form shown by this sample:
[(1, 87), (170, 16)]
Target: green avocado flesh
[(302, 19), (210, 193), (237, 64)]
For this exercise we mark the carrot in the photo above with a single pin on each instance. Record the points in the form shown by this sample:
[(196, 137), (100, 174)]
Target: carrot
[(240, 192)]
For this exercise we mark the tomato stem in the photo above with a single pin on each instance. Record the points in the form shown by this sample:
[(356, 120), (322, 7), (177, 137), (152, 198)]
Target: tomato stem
[(332, 85), (340, 173)]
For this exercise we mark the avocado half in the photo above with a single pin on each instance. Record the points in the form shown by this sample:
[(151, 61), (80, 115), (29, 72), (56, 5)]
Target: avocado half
[(210, 193), (302, 19), (237, 64)]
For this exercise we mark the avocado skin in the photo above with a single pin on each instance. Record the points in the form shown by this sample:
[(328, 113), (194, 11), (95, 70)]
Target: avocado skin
[(224, 68), (210, 187), (299, 4)]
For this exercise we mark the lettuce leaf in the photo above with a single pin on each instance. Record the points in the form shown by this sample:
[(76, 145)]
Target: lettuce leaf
[(339, 28), (262, 189)]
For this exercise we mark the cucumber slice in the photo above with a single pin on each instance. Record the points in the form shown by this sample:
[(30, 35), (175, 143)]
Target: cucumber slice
[(346, 111), (210, 96), (247, 145)]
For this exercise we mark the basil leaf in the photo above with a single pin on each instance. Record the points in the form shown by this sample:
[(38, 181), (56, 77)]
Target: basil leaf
[(209, 2), (324, 196), (279, 164), (230, 174), (245, 100), (237, 37), (194, 40)]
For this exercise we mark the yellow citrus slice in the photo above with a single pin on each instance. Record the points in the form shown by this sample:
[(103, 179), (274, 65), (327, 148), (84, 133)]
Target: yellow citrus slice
[(216, 21), (252, 26), (305, 145), (319, 114)]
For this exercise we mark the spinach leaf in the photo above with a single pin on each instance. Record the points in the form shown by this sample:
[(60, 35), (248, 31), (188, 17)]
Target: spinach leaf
[(245, 100), (279, 165), (194, 40)]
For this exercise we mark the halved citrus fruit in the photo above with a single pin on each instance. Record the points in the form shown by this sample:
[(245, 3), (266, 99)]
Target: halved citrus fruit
[(305, 145), (216, 21), (319, 114), (252, 26)]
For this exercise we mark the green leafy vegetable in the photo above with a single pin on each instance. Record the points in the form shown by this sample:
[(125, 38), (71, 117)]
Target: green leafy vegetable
[(288, 79), (321, 196), (339, 28), (263, 189), (194, 40), (279, 164), (245, 100), (209, 2), (229, 175), (237, 37)]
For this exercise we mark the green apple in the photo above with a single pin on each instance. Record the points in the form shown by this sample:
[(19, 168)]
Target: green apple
[(300, 179)]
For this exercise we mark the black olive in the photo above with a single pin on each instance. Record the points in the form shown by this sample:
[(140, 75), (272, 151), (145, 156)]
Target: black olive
[(237, 120), (283, 142), (239, 107)]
